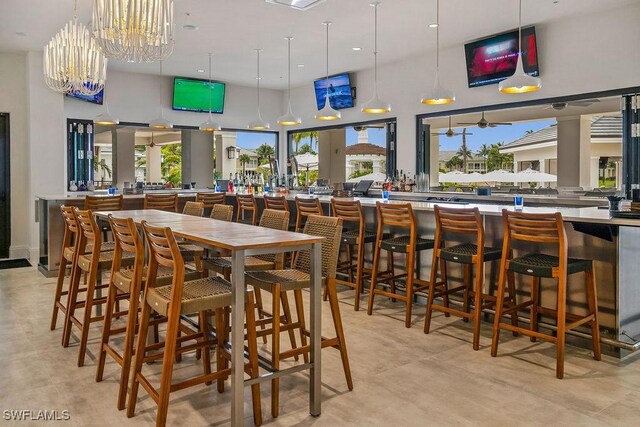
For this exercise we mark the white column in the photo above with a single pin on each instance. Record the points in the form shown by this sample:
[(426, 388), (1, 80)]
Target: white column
[(124, 156), (434, 162), (154, 164), (331, 155), (223, 164), (594, 172), (574, 151), (197, 158)]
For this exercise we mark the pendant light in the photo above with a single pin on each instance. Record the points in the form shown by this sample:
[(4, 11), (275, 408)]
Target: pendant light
[(520, 82), (327, 113), (210, 125), (289, 119), (106, 119), (134, 30), (259, 124), (161, 123), (73, 61), (375, 105), (439, 95)]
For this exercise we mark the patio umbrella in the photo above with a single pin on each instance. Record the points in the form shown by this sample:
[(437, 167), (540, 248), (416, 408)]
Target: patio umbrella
[(499, 175), (307, 161), (461, 177), (530, 175), (376, 177)]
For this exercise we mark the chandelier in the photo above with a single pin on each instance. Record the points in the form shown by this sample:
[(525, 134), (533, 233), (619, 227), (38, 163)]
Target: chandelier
[(73, 62), (134, 30)]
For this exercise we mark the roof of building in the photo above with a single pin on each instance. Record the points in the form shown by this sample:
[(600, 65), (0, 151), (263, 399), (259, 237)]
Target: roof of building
[(364, 149), (445, 156), (601, 127)]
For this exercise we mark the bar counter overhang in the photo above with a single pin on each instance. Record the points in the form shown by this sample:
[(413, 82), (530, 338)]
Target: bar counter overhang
[(613, 244)]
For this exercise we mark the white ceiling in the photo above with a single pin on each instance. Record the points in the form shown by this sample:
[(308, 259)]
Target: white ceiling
[(233, 28)]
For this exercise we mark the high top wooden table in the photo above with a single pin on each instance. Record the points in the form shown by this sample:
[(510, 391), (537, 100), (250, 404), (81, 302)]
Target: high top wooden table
[(246, 240)]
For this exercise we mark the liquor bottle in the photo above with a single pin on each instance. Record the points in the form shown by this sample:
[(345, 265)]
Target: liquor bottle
[(73, 186)]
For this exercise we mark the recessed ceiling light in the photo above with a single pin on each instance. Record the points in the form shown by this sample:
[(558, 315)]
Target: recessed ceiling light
[(356, 48), (189, 27), (201, 71), (300, 65), (433, 25), (21, 34), (297, 4)]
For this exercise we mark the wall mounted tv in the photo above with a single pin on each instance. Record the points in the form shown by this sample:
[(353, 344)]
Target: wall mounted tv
[(340, 93), (493, 59), (98, 98), (193, 95)]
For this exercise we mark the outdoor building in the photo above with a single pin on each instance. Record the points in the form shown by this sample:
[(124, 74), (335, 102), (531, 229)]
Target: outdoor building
[(451, 161), (364, 157)]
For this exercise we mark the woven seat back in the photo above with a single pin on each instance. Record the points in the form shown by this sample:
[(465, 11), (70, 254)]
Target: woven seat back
[(193, 208), (104, 203), (211, 199), (247, 205), (222, 212), (163, 202), (331, 229), (276, 220), (278, 203)]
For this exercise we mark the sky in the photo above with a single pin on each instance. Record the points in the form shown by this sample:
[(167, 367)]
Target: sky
[(490, 136)]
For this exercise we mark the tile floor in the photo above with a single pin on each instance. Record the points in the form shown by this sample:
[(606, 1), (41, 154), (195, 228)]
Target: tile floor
[(401, 376)]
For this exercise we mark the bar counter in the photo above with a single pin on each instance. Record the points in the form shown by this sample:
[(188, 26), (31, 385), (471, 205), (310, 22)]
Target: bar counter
[(613, 244)]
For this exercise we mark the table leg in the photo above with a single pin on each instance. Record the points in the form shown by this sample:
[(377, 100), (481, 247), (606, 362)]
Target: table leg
[(237, 338), (316, 329)]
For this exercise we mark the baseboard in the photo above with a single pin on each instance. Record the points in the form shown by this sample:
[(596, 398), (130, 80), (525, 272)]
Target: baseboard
[(33, 255), (19, 251)]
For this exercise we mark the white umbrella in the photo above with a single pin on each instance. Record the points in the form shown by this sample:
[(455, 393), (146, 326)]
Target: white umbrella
[(376, 177), (499, 175), (461, 177), (530, 175), (308, 162)]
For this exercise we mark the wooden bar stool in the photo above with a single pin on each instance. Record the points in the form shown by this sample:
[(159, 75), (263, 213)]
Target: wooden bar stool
[(92, 261), (353, 235), (296, 279), (163, 202), (210, 200), (306, 207), (222, 212), (128, 281), (104, 203), (247, 205), (68, 258), (173, 301), (190, 251), (278, 203), (398, 216), (462, 224), (544, 229)]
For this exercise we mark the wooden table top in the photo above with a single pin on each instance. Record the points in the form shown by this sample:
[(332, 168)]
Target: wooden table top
[(220, 234)]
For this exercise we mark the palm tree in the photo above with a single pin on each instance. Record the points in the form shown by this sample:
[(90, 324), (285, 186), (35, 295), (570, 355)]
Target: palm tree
[(298, 137), (244, 159), (484, 152), (453, 163), (264, 152), (171, 163), (464, 152)]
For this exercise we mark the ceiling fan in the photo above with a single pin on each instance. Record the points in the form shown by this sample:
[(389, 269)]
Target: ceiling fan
[(484, 123), (152, 144), (562, 105), (449, 133)]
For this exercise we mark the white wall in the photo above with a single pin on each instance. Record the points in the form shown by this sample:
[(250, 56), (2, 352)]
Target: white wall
[(586, 53), (13, 100)]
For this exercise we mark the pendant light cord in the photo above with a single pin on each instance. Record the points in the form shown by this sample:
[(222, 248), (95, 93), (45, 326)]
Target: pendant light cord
[(258, 78), (375, 45), (520, 30), (437, 37), (75, 10), (289, 68), (210, 89), (327, 75)]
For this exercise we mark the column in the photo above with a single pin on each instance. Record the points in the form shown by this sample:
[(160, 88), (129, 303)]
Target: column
[(332, 161), (434, 160), (197, 158), (594, 172), (574, 152), (223, 164), (124, 156), (154, 164)]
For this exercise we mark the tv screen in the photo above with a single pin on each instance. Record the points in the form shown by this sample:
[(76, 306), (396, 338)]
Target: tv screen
[(96, 99), (340, 95), (493, 59), (193, 95)]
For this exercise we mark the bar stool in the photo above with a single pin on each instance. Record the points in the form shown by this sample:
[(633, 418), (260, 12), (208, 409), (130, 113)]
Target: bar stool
[(68, 258), (183, 298), (163, 202), (190, 251), (280, 281), (104, 203), (193, 208), (93, 262), (222, 212), (354, 234), (278, 203), (210, 200), (462, 223), (128, 281), (544, 229), (247, 204), (397, 215), (306, 207)]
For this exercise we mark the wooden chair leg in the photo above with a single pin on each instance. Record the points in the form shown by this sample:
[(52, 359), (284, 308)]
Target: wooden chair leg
[(392, 269), (59, 285), (106, 330), (374, 277), (409, 296), (512, 293), (252, 344), (359, 280), (72, 299), (139, 358), (337, 323), (432, 290), (275, 350), (288, 320), (535, 295), (445, 285), (297, 294), (561, 336), (260, 307), (465, 296), (94, 278), (170, 346), (477, 309), (592, 297), (499, 304), (206, 351), (132, 319), (222, 333)]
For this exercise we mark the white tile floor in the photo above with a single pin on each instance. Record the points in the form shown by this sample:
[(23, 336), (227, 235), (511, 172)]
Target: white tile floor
[(401, 376)]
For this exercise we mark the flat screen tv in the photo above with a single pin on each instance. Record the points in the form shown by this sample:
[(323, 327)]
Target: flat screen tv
[(193, 95), (493, 59), (340, 95), (95, 99)]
